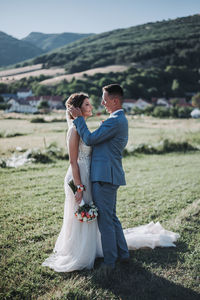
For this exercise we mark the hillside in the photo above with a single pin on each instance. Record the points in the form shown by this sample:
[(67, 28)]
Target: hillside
[(55, 75), (153, 60), (48, 42), (172, 42), (13, 50)]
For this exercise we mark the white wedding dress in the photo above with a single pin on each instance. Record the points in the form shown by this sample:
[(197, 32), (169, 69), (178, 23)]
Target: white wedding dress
[(78, 244)]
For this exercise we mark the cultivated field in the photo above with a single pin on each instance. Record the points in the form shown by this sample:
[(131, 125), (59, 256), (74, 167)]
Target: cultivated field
[(57, 74), (80, 75), (163, 188), (14, 71), (12, 75)]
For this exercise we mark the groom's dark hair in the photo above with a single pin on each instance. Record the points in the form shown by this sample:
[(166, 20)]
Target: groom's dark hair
[(114, 90)]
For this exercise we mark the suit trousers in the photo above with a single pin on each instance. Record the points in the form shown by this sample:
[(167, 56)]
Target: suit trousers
[(112, 237)]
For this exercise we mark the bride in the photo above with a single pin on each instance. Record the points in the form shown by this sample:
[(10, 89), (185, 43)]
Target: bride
[(78, 244)]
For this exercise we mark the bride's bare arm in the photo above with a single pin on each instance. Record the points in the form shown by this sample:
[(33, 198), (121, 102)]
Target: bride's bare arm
[(73, 146)]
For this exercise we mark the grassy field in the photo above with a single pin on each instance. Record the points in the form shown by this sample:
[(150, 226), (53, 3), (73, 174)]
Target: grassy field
[(163, 188), (141, 130)]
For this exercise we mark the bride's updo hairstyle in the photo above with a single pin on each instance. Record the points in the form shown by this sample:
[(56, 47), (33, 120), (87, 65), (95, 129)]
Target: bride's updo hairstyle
[(75, 100)]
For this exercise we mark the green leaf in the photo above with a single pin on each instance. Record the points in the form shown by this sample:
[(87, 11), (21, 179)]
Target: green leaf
[(72, 186)]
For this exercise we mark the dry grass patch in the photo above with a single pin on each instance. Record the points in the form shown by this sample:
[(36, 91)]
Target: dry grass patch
[(47, 72), (10, 72), (80, 75)]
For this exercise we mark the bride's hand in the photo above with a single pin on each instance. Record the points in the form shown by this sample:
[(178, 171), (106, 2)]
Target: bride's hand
[(78, 197)]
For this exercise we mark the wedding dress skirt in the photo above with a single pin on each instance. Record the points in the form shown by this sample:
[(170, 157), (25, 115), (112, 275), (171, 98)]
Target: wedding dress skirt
[(78, 244)]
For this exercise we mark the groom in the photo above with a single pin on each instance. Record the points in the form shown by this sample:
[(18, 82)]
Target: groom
[(107, 174)]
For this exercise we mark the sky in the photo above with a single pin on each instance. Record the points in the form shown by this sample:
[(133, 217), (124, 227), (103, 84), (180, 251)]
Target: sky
[(20, 17)]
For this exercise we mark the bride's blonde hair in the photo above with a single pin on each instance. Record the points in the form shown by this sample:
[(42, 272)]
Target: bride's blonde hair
[(75, 100)]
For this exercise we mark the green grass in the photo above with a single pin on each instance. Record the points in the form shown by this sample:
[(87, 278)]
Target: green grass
[(161, 188), (145, 130)]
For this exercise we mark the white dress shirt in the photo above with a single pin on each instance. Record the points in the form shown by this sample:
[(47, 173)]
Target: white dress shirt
[(114, 112)]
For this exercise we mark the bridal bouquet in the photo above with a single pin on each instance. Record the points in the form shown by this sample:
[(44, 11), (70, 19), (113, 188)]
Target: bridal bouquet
[(86, 212)]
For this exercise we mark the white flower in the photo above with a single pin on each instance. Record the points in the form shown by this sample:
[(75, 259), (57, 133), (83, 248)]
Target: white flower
[(79, 217), (82, 203), (84, 219), (90, 212)]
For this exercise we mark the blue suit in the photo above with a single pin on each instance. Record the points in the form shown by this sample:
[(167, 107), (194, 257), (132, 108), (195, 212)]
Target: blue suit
[(107, 174)]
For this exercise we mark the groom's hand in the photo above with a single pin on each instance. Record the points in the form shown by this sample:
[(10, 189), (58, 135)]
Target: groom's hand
[(75, 112)]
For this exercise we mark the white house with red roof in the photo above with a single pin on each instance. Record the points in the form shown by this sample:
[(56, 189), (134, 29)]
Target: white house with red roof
[(55, 102), (180, 102), (142, 104), (128, 104), (33, 100), (26, 102)]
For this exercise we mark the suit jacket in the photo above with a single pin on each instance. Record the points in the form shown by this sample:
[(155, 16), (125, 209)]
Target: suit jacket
[(108, 143)]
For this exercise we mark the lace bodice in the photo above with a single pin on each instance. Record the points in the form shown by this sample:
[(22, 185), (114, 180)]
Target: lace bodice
[(84, 151)]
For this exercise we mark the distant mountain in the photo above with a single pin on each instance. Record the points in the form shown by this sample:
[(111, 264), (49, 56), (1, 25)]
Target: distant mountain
[(48, 42), (172, 42), (13, 50)]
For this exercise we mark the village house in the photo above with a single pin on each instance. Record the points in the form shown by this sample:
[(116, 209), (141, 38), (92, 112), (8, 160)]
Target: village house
[(33, 100), (24, 93), (21, 106), (7, 97), (163, 102), (54, 102), (30, 104), (195, 113), (128, 104), (141, 104), (181, 102)]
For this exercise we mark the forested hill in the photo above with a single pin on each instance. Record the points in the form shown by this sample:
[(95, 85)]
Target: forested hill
[(48, 42), (13, 50), (172, 42)]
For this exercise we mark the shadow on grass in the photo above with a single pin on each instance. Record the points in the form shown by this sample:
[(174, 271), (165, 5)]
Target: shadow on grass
[(160, 256), (133, 281)]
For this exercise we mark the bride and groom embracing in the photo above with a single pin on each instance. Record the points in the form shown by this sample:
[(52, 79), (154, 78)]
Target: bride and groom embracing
[(96, 165)]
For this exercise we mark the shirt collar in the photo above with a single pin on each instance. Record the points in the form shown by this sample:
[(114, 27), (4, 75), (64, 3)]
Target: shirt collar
[(114, 112)]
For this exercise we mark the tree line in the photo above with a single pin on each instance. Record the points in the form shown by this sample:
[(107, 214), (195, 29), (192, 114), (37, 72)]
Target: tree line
[(172, 81)]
